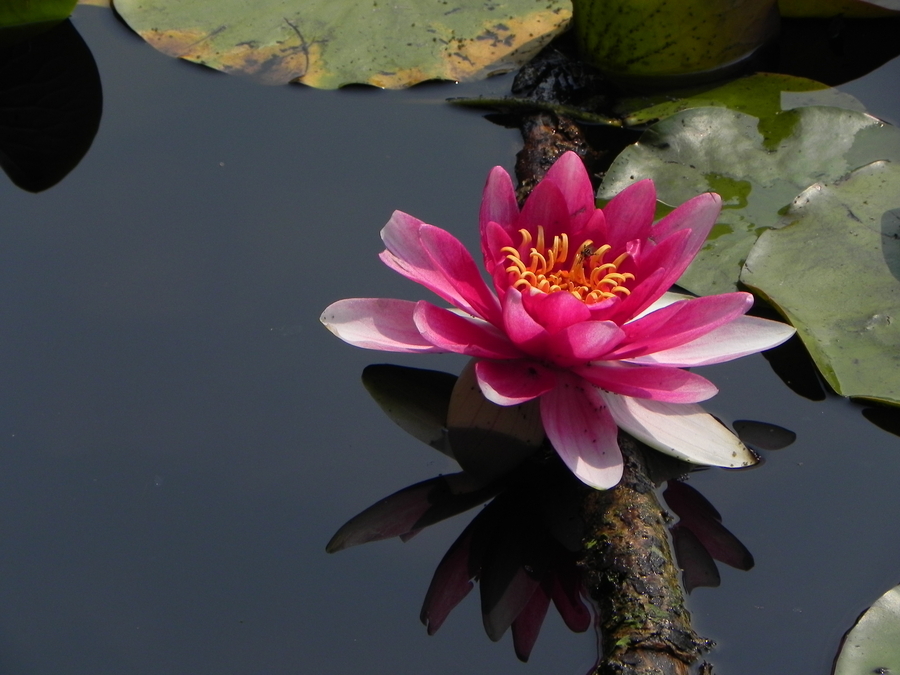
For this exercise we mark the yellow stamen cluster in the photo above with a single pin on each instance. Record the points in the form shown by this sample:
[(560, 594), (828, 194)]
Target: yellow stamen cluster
[(587, 277)]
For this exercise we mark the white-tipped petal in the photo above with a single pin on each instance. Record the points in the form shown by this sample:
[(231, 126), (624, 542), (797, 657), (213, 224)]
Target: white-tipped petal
[(376, 323), (740, 337), (682, 430)]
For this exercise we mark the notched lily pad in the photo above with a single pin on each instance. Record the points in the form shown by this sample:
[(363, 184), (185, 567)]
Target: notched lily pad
[(331, 43), (832, 267), (871, 646), (758, 165)]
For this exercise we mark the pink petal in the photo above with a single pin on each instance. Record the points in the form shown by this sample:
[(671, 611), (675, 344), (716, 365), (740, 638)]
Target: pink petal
[(456, 263), (547, 207), (621, 310), (583, 342), (493, 239), (498, 202), (679, 248), (513, 382), (594, 228), (523, 330), (406, 254), (555, 311), (570, 176), (672, 385), (377, 323), (685, 431), (698, 214), (581, 429), (630, 213), (657, 271), (681, 323), (745, 335), (451, 332), (527, 626)]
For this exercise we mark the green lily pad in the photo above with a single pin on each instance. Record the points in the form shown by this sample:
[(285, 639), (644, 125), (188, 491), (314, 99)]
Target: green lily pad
[(761, 95), (871, 646), (833, 269), (21, 20), (656, 39), (757, 165), (330, 43), (21, 12)]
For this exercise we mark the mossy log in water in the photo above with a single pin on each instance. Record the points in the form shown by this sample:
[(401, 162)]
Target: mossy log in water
[(629, 571), (626, 561)]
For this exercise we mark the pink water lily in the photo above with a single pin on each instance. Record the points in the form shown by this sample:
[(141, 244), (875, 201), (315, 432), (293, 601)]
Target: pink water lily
[(578, 315)]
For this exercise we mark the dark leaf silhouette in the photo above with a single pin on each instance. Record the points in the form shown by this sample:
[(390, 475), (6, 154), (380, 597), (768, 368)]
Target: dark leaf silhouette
[(51, 107)]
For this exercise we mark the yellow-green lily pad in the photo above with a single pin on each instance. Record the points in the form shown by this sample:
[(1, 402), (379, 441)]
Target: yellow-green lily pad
[(757, 165), (22, 12), (832, 267), (331, 43), (23, 19), (871, 646)]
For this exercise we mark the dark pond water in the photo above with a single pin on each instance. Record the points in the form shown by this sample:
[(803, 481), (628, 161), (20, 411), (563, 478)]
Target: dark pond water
[(179, 436)]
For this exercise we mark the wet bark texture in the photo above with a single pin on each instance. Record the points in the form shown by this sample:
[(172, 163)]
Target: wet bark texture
[(627, 560), (547, 136), (629, 570)]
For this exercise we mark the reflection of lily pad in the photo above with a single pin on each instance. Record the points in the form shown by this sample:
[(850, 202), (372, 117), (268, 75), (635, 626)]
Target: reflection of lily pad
[(833, 269), (871, 646), (758, 166), (52, 103), (330, 43)]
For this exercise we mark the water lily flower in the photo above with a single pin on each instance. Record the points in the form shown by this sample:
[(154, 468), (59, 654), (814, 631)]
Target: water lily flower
[(576, 316)]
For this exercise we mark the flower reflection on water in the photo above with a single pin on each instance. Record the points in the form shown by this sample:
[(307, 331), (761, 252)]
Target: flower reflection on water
[(524, 548)]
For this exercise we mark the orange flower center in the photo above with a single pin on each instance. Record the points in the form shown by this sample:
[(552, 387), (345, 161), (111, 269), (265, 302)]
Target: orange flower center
[(548, 269)]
